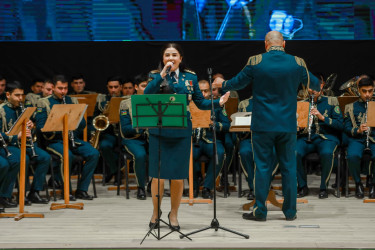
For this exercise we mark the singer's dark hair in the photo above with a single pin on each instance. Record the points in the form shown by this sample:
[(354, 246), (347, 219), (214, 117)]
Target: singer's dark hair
[(12, 86), (367, 81), (58, 78), (176, 46)]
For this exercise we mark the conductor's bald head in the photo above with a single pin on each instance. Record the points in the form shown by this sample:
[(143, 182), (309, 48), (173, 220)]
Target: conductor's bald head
[(274, 38)]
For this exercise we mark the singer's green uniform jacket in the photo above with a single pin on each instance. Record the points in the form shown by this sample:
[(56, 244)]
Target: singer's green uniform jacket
[(354, 116), (175, 143)]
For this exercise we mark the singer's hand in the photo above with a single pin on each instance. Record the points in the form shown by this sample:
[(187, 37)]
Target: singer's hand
[(224, 98), (218, 82), (167, 66)]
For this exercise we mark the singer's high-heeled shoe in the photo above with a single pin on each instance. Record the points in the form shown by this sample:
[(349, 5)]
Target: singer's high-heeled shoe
[(154, 225), (174, 228)]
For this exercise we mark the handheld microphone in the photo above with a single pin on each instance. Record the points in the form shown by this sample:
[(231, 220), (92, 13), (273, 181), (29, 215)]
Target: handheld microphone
[(168, 70)]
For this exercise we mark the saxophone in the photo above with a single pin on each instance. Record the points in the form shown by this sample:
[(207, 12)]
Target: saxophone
[(100, 123)]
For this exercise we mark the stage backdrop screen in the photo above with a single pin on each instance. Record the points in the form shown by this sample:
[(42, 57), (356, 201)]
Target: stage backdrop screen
[(140, 20)]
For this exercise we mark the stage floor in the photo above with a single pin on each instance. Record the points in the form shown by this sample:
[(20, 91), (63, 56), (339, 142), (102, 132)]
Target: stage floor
[(111, 221)]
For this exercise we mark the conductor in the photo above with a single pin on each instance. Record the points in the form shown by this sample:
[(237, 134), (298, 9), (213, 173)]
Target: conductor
[(275, 77)]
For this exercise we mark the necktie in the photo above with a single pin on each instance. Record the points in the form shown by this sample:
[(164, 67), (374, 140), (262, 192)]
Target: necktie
[(173, 77)]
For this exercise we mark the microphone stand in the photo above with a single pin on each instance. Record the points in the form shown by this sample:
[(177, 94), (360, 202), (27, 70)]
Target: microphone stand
[(215, 222)]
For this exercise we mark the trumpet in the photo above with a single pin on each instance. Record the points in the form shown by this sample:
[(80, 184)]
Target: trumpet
[(30, 140), (71, 134), (100, 123), (311, 119), (367, 149)]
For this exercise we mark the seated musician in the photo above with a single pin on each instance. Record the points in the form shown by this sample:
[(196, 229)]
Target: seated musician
[(4, 168), (54, 140), (205, 142), (10, 110), (78, 85), (2, 89), (32, 97), (108, 140), (324, 136), (358, 139), (135, 140), (128, 88)]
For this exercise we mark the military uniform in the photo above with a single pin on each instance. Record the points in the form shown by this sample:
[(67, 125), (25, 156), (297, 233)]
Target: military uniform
[(175, 143), (31, 99), (325, 139), (354, 117), (108, 138), (54, 140), (9, 115), (275, 77), (206, 146), (134, 141)]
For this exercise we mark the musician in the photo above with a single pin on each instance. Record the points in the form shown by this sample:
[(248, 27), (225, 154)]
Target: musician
[(4, 168), (10, 110), (175, 143), (205, 147), (355, 128), (135, 140), (128, 88), (78, 85), (326, 127), (109, 138), (54, 140), (47, 89), (273, 122), (32, 97), (2, 88)]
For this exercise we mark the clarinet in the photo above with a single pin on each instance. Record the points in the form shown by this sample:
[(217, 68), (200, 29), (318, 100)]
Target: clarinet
[(311, 118), (4, 145), (31, 143), (71, 134), (367, 149), (197, 137)]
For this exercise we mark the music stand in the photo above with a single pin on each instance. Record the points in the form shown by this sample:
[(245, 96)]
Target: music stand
[(215, 222), (58, 121), (200, 119), (20, 125), (90, 100), (159, 111)]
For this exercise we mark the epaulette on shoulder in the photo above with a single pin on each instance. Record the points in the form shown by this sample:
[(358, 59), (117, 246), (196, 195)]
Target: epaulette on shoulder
[(349, 108), (125, 104), (254, 60), (74, 100), (100, 98), (243, 104), (332, 100), (190, 71), (155, 71), (2, 105), (300, 61), (42, 102)]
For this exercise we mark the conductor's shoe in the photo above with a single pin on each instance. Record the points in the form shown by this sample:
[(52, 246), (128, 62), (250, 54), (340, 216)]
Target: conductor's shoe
[(371, 194), (83, 195), (6, 203), (251, 216), (141, 194), (323, 194), (251, 195), (291, 218), (34, 197), (206, 193), (359, 193), (302, 192)]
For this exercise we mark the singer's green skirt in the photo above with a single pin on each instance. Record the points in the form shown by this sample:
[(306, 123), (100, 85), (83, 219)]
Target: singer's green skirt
[(175, 156)]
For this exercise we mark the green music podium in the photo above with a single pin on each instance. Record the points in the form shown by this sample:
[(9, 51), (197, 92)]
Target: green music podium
[(159, 111)]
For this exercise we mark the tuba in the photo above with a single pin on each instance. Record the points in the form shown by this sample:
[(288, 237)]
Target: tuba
[(100, 123)]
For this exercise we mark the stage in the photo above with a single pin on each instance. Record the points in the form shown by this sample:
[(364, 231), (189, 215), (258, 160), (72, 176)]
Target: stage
[(111, 221)]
